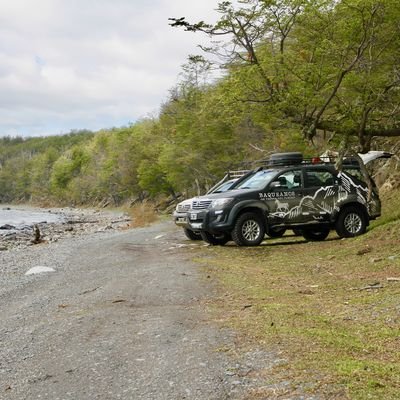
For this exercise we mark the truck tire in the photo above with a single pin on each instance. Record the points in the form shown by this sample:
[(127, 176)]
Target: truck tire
[(218, 239), (249, 230), (351, 222), (316, 234), (191, 235)]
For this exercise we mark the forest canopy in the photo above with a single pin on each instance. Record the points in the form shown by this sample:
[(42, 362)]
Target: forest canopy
[(316, 64)]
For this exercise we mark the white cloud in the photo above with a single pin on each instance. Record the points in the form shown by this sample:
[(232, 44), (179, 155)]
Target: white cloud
[(72, 64)]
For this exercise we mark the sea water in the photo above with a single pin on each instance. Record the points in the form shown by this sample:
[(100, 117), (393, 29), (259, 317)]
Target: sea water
[(19, 217)]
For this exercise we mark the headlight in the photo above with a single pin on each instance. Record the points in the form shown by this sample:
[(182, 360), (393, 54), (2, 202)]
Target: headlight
[(183, 206), (220, 203)]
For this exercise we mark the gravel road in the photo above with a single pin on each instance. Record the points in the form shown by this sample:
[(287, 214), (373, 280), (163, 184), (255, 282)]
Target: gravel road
[(121, 317)]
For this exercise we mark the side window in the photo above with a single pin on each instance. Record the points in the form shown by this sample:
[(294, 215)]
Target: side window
[(289, 179), (318, 178), (354, 172)]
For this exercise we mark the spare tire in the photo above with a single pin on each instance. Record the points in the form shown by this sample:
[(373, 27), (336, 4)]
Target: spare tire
[(291, 158)]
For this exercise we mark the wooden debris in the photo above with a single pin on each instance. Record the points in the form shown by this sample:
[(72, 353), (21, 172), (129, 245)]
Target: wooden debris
[(36, 235), (372, 286)]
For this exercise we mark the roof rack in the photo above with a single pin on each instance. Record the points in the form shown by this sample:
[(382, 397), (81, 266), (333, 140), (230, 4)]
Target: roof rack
[(232, 174), (325, 160), (296, 158), (238, 173)]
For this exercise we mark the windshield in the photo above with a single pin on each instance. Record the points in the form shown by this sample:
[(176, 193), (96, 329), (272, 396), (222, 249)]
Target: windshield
[(224, 187), (257, 181)]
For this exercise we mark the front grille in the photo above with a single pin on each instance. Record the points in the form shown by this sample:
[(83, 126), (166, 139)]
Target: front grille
[(200, 204)]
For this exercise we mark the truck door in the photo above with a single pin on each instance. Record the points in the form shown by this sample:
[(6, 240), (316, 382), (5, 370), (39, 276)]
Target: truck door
[(320, 194), (283, 196)]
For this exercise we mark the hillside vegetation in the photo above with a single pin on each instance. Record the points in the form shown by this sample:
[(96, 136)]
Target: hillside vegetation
[(295, 75)]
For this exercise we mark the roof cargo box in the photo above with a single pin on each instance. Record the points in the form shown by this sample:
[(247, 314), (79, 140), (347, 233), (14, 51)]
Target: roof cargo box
[(292, 158)]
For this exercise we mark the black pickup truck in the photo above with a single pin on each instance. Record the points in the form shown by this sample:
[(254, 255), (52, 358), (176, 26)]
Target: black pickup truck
[(308, 196)]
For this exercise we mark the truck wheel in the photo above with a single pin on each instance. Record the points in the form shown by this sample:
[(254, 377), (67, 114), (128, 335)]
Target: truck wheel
[(249, 230), (316, 234), (275, 232), (215, 240), (191, 235), (351, 222)]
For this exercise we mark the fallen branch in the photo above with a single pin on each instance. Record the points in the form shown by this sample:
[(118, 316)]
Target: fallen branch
[(81, 222)]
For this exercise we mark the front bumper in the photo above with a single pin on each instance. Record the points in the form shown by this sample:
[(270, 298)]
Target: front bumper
[(180, 219), (212, 221)]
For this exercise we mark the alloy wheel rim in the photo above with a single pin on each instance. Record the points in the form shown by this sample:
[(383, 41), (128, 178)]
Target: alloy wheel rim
[(353, 223), (251, 230)]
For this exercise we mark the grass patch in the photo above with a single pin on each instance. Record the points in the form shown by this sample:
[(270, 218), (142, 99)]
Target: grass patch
[(142, 214), (332, 308), (391, 210)]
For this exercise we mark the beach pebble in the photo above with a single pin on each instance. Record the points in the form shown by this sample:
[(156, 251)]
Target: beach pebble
[(39, 270)]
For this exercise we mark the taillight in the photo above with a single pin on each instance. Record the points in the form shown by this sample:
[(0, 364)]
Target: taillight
[(315, 160)]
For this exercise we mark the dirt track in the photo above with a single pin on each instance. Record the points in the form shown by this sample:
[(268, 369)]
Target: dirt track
[(122, 317)]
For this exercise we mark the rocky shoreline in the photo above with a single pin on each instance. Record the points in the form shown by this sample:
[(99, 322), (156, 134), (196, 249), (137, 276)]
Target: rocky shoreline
[(71, 222)]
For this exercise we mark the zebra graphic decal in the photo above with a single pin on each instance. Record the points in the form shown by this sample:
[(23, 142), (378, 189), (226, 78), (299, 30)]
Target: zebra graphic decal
[(323, 202)]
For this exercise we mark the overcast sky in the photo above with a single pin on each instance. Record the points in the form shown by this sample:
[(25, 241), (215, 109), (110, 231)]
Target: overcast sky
[(90, 64)]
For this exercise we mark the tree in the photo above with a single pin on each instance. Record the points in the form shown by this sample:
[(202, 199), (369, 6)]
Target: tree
[(68, 167), (40, 173), (320, 66)]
